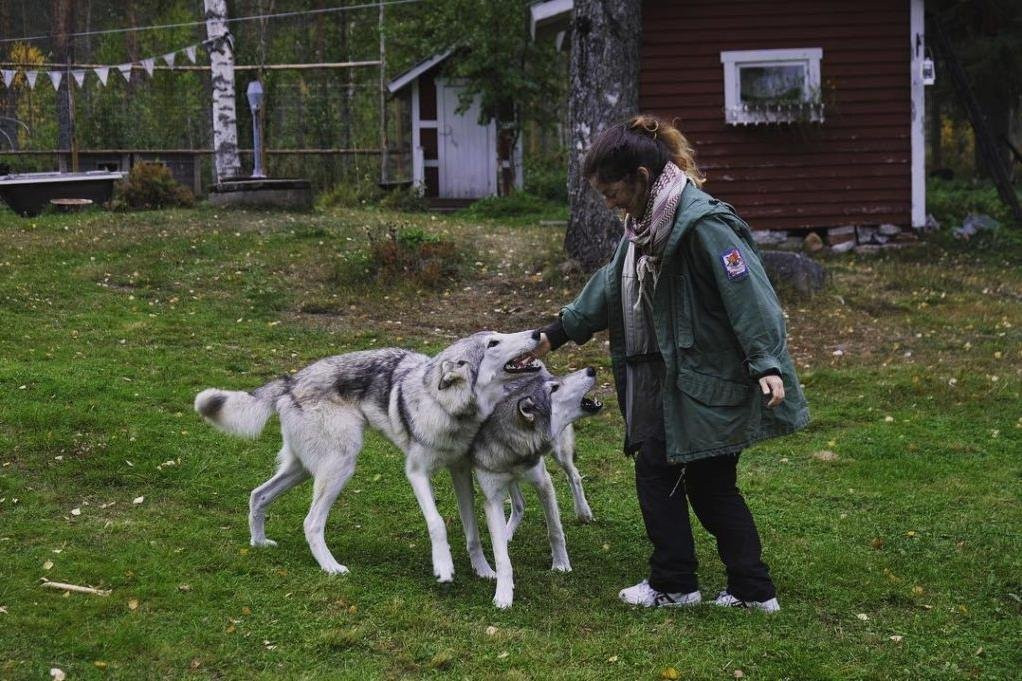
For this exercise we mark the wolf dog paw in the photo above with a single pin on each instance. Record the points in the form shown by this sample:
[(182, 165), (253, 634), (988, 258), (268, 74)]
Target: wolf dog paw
[(485, 571), (263, 543), (335, 569), (561, 566), (503, 601)]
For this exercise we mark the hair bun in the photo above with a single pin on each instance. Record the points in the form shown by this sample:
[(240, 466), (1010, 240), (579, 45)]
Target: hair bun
[(649, 125)]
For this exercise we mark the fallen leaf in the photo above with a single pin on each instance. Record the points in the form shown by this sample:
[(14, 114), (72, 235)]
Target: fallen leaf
[(246, 610), (184, 587), (917, 590), (231, 629), (57, 674), (503, 655), (48, 565), (491, 630), (99, 664), (76, 511), (133, 604), (877, 543), (896, 638), (612, 658), (825, 455), (669, 673), (739, 674), (138, 500), (889, 419), (863, 616)]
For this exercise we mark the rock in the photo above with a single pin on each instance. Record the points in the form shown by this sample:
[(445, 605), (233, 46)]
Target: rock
[(867, 249), (794, 270), (975, 223), (812, 243), (887, 229), (842, 247), (766, 237), (569, 267), (840, 235)]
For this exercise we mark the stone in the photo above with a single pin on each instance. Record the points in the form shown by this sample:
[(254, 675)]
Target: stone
[(766, 237), (843, 247), (887, 229), (794, 270), (812, 243)]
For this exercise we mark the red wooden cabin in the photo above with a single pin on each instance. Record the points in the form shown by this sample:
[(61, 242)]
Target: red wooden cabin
[(804, 114)]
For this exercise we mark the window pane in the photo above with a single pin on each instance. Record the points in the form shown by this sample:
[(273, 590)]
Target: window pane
[(769, 84)]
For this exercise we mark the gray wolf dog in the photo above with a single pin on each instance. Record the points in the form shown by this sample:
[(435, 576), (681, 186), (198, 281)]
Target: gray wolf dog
[(430, 408), (510, 446)]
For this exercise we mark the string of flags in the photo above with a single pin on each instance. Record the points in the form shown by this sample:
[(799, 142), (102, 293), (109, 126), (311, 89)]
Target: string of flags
[(103, 72)]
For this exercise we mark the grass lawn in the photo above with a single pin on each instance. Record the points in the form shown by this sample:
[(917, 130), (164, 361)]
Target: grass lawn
[(899, 556)]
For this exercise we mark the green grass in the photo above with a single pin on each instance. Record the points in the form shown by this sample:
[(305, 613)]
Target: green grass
[(112, 323)]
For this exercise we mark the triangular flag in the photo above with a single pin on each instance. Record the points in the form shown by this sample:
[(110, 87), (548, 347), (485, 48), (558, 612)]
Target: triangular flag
[(55, 77), (79, 76), (169, 58), (103, 72), (149, 64), (190, 53), (125, 70), (8, 75), (30, 76)]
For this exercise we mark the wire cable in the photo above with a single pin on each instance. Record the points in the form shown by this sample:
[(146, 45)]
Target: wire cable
[(156, 27)]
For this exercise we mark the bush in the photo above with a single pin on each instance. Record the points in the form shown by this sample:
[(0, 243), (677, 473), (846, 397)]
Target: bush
[(410, 255), (950, 201), (547, 178), (404, 199), (149, 186), (514, 205)]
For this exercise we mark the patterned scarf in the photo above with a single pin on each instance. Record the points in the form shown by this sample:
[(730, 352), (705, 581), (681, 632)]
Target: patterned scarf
[(650, 233)]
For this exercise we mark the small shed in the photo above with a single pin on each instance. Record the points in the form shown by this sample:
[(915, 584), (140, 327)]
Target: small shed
[(804, 115), (453, 157)]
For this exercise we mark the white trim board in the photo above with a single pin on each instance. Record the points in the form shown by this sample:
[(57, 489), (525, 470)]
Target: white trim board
[(917, 39)]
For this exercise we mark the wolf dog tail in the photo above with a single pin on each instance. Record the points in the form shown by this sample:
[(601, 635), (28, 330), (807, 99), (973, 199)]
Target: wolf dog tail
[(240, 413)]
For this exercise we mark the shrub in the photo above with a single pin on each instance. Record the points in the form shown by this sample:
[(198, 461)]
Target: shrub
[(149, 186), (514, 205), (547, 178), (356, 192), (950, 201), (404, 199), (410, 255)]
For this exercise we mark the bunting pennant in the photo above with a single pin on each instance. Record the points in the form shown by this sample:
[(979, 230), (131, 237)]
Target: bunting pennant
[(190, 53), (8, 75), (125, 70), (55, 77), (169, 58), (103, 72), (30, 76), (79, 76), (149, 65)]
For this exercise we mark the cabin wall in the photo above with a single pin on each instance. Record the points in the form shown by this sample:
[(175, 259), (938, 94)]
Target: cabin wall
[(854, 168)]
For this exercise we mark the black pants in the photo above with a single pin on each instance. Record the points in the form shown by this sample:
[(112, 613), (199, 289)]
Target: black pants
[(710, 486)]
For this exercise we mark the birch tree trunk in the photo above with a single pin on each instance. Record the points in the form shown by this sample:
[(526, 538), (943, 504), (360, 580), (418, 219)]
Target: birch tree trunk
[(225, 118), (604, 89)]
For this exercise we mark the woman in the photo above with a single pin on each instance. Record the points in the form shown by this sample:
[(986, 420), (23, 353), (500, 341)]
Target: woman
[(694, 327)]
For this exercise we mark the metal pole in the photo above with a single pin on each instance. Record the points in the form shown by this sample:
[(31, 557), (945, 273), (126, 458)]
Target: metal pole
[(257, 145), (383, 100)]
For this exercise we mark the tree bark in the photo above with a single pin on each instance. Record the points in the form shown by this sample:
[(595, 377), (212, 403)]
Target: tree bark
[(225, 117), (604, 89)]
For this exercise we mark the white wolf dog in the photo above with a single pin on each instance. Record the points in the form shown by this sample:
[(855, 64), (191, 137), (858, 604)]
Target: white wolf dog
[(431, 408), (510, 447)]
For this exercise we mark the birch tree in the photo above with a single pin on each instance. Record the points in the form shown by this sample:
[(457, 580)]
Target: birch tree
[(225, 118), (604, 89)]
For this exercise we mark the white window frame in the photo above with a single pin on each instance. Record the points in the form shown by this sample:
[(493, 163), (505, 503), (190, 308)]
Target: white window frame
[(736, 113)]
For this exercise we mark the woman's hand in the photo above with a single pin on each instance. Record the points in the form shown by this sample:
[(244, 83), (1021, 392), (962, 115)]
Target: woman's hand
[(543, 347), (773, 386)]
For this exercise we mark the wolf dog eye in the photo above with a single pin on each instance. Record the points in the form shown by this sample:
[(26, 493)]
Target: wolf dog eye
[(554, 387), (493, 343), (462, 363)]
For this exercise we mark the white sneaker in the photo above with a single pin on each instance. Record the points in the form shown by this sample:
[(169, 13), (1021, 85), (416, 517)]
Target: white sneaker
[(726, 600), (645, 595)]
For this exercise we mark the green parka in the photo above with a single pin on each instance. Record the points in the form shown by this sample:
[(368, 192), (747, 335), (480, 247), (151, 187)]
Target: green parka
[(719, 325)]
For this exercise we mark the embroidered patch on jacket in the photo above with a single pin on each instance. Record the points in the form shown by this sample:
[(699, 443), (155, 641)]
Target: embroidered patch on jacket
[(734, 264)]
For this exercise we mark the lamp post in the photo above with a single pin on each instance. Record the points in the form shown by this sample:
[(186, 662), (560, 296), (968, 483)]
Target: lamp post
[(255, 102)]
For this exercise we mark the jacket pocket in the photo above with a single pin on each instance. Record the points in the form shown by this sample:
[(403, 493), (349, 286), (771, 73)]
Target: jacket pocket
[(682, 313), (711, 390)]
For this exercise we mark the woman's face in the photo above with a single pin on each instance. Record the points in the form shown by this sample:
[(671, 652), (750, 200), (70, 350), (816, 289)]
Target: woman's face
[(628, 194)]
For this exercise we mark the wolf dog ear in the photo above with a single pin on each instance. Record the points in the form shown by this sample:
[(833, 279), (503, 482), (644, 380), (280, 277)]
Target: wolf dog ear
[(527, 408), (448, 377)]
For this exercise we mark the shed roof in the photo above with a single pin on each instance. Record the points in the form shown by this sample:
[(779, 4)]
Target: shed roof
[(409, 76)]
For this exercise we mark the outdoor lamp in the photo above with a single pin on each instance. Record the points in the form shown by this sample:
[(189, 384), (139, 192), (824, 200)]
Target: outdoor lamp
[(255, 103)]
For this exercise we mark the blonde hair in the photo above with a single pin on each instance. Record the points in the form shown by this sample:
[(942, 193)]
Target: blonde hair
[(641, 141)]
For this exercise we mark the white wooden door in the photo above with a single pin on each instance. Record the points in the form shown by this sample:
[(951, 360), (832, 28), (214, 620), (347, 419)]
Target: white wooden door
[(468, 151)]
